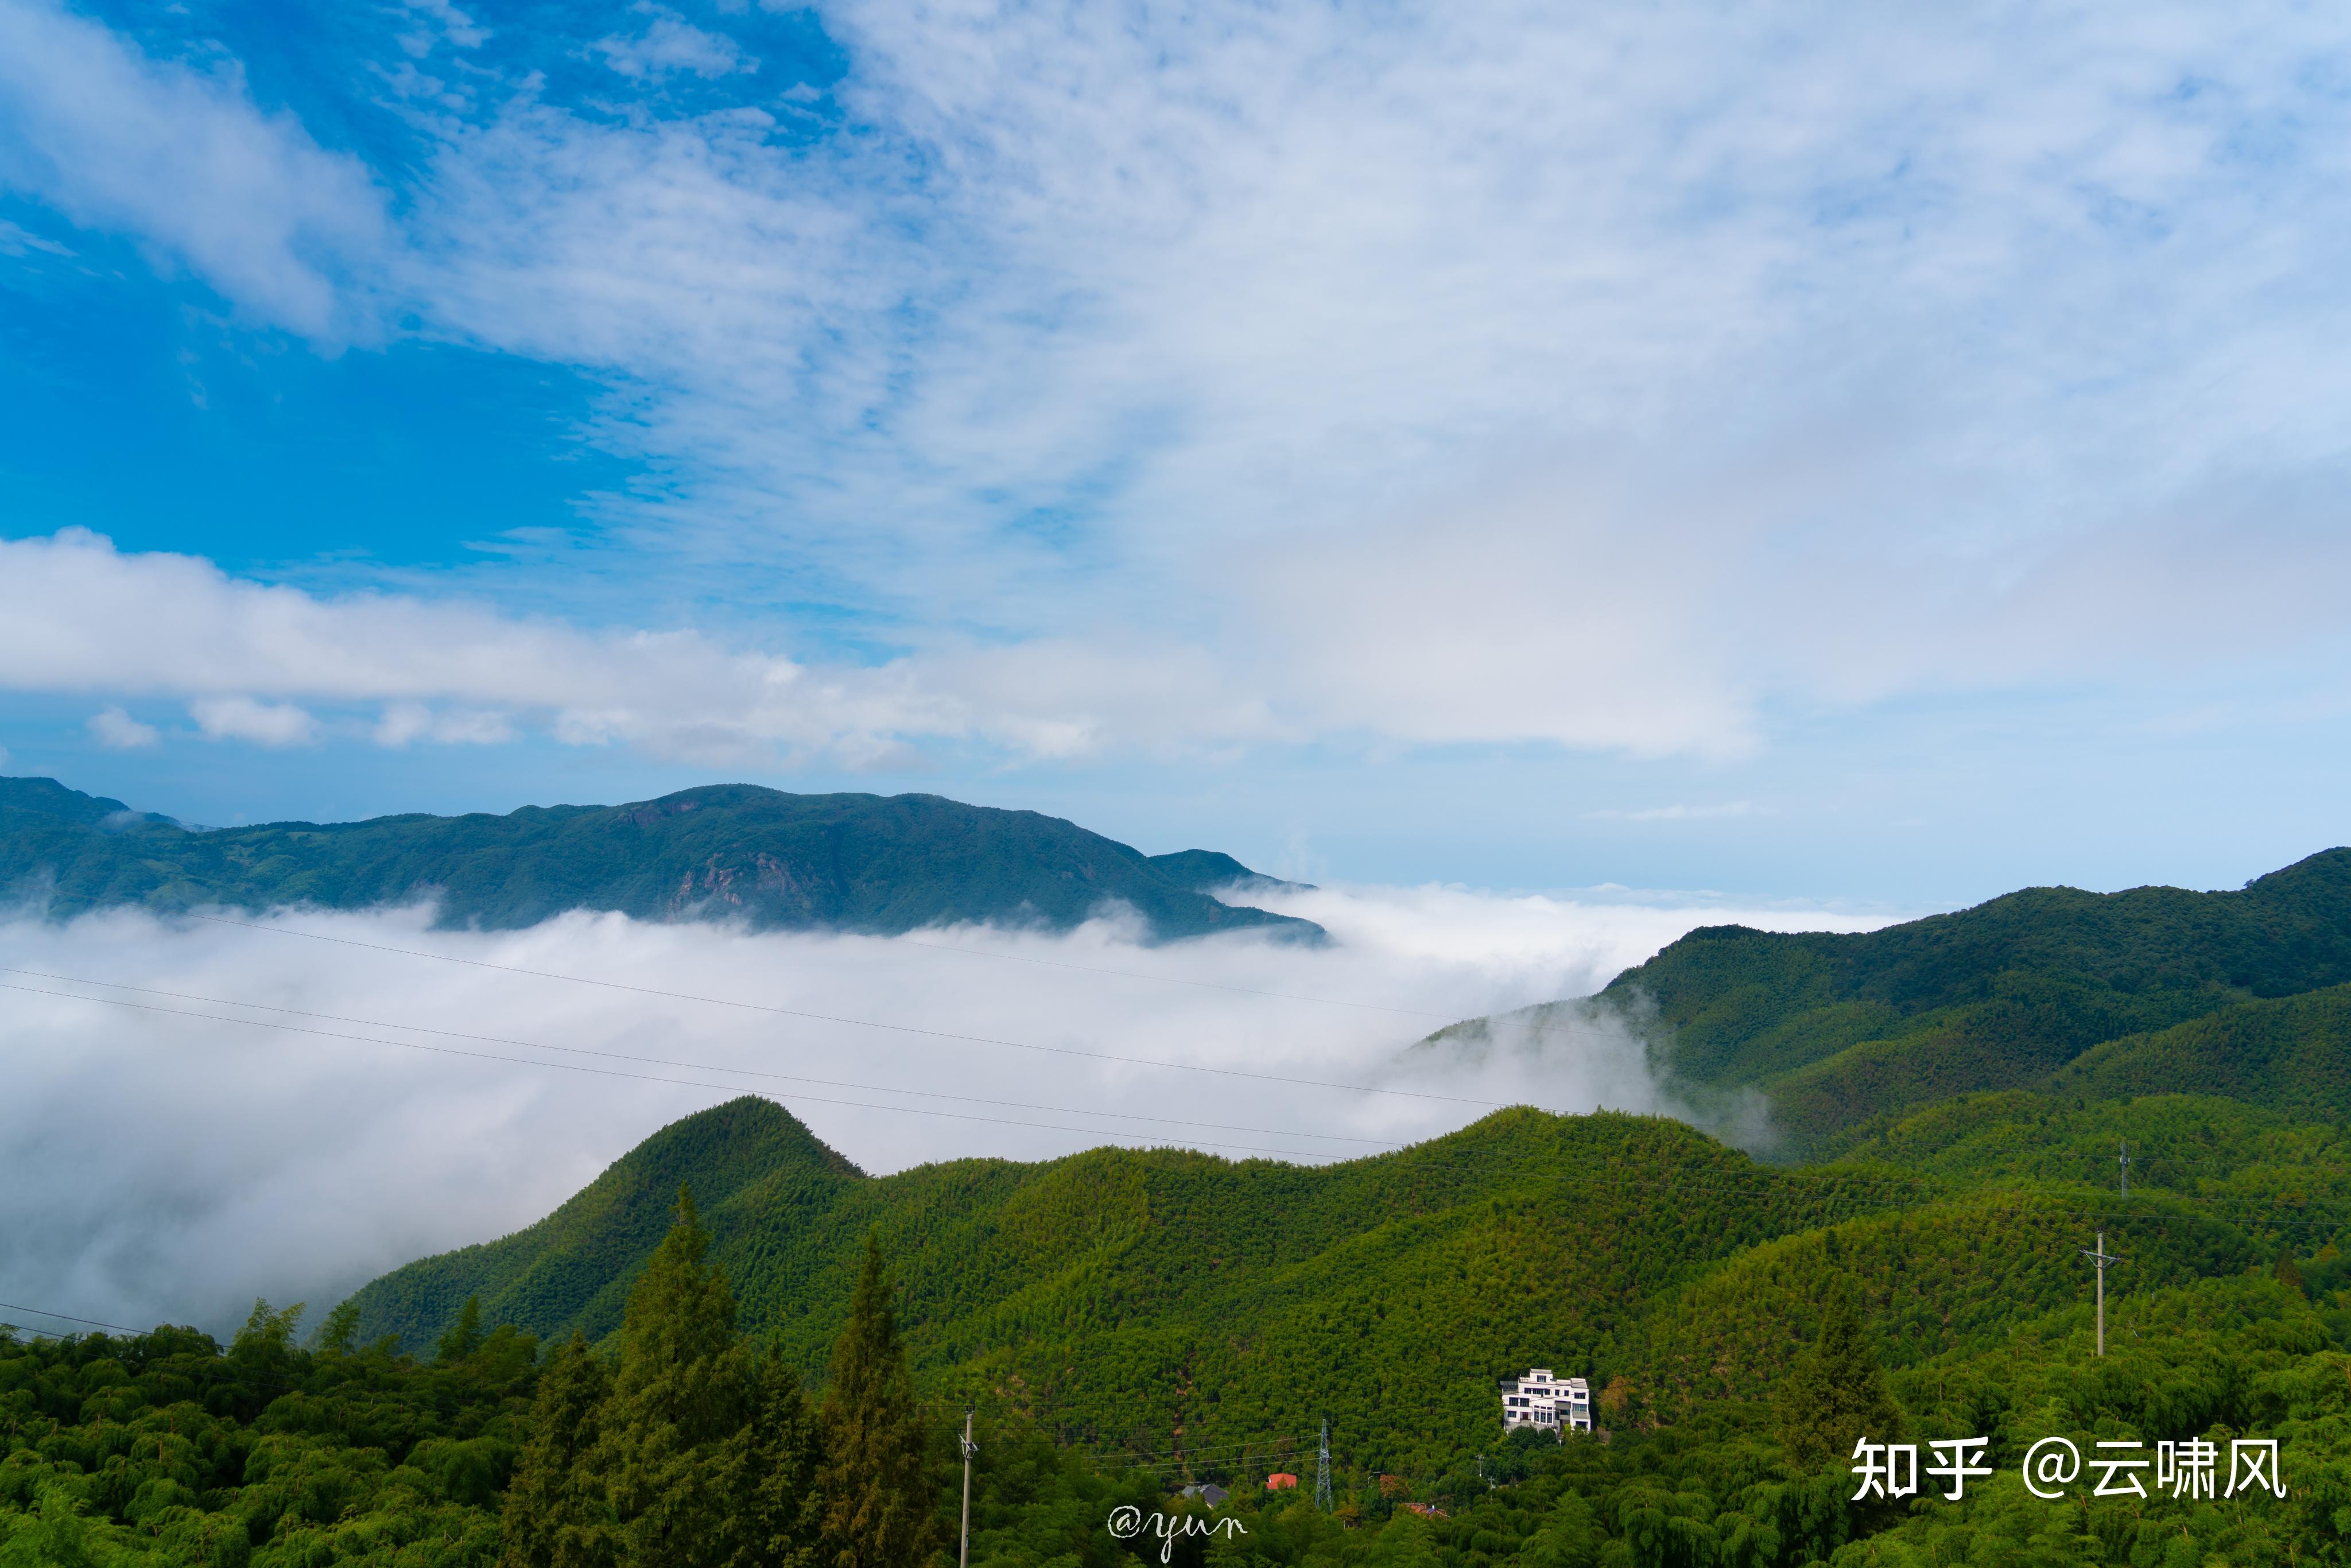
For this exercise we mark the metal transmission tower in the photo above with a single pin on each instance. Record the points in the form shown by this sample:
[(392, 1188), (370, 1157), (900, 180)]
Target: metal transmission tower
[(1322, 1469), (2100, 1258), (2124, 1163)]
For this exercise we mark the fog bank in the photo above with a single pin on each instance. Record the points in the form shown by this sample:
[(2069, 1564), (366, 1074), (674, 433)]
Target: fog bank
[(175, 1158)]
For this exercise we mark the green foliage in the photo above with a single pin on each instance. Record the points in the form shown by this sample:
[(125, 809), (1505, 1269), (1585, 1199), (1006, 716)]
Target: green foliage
[(464, 1337), (683, 1394), (1128, 1295), (1842, 1031), (880, 1490), (696, 1453), (555, 1514), (1836, 1394), (1958, 1232), (1127, 1320), (862, 863), (167, 1449)]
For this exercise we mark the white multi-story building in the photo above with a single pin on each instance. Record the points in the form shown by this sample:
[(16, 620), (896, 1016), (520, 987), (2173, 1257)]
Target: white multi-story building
[(1558, 1404)]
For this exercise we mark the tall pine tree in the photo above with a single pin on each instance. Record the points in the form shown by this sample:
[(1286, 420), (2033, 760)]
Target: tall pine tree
[(772, 1472), (880, 1487), (1835, 1394), (464, 1337), (557, 1515), (695, 1454), (684, 1393)]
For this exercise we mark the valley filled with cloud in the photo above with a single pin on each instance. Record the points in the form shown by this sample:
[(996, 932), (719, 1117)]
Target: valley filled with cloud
[(200, 1112)]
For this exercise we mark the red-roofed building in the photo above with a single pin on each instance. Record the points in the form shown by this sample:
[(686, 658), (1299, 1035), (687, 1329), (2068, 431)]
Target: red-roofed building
[(1281, 1480)]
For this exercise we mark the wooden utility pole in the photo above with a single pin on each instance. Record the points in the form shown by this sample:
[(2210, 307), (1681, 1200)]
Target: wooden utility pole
[(2100, 1258), (963, 1557)]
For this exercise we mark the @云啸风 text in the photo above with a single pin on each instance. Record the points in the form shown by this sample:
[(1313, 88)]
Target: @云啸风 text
[(2054, 1467)]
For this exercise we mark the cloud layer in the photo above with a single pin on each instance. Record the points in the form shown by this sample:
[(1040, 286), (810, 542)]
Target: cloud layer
[(170, 1164), (1230, 377)]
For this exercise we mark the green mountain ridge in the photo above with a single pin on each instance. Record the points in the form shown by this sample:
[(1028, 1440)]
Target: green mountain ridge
[(1887, 1052), (883, 864), (1841, 1032), (1152, 1259), (1167, 1316)]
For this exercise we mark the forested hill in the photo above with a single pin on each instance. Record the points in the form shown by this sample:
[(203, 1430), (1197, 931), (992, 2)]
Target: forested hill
[(2181, 989), (1146, 1300), (847, 862), (1143, 1291)]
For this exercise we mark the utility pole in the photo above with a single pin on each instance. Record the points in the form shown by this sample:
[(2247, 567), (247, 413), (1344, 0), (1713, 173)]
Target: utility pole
[(2100, 1258), (1322, 1469), (963, 1557)]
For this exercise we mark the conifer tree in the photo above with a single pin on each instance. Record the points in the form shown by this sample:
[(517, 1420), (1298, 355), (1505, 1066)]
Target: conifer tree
[(880, 1485), (2288, 1273), (772, 1474), (556, 1512), (336, 1335), (1835, 1394), (464, 1337), (683, 1395)]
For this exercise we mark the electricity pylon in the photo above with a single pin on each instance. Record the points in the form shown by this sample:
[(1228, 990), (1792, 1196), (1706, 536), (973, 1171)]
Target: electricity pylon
[(1322, 1469)]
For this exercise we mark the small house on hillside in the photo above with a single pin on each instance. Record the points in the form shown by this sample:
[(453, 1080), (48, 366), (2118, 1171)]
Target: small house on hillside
[(1281, 1480), (1209, 1493), (1556, 1405)]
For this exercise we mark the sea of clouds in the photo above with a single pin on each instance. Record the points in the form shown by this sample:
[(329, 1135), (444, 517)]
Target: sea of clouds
[(270, 1114)]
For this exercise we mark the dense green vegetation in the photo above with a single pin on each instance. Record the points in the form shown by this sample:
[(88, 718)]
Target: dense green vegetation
[(1140, 1296), (1841, 1030), (1124, 1322), (1383, 1293), (854, 863)]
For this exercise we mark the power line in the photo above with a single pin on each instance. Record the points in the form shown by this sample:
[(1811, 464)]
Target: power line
[(1170, 979), (1454, 1159), (69, 1317), (640, 1077), (854, 1022), (1767, 1188), (1304, 1159), (650, 1060), (1155, 1457)]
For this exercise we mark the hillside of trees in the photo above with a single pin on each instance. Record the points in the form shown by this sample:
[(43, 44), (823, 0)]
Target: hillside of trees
[(735, 851), (640, 1378), (1701, 1292), (1842, 1030)]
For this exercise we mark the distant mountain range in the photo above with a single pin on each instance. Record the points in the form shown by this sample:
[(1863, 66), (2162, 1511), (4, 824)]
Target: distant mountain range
[(874, 864)]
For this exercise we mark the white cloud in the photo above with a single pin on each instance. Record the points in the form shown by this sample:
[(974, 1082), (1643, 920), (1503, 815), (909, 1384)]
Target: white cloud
[(243, 718), (15, 240), (441, 22), (670, 43), (1500, 650), (171, 1165), (118, 731), (405, 722), (1471, 374), (184, 158)]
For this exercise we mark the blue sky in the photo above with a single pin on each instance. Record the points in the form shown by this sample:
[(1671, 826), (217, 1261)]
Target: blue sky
[(1881, 460)]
